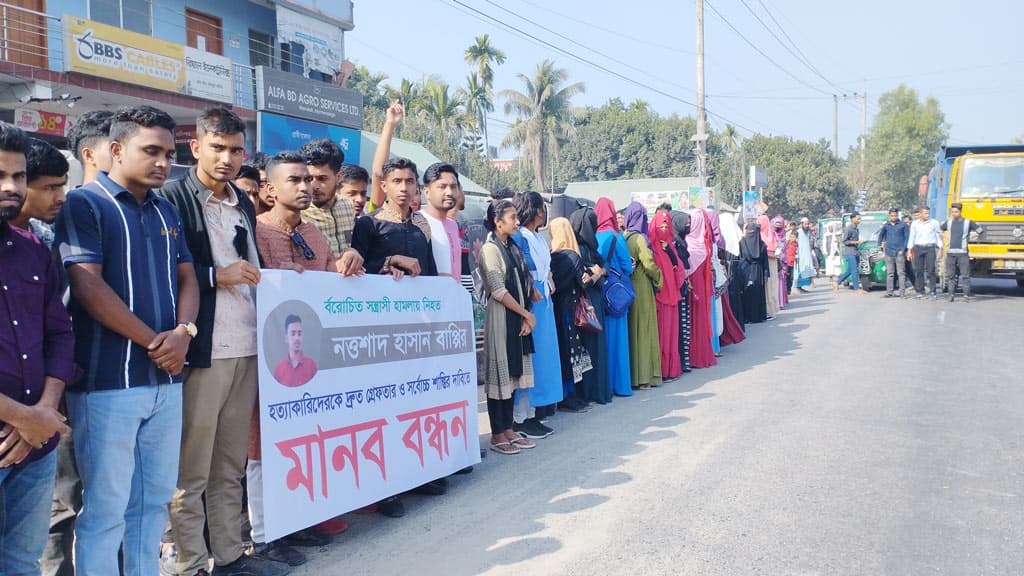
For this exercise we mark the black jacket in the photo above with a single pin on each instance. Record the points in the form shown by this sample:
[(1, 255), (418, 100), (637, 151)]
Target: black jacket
[(185, 194)]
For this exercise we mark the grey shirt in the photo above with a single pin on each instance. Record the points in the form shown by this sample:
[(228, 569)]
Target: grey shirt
[(851, 236)]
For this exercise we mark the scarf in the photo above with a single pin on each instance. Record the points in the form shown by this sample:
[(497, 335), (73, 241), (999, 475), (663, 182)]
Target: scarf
[(771, 241), (731, 233), (750, 245), (636, 218), (780, 231), (562, 237), (804, 256), (695, 240), (606, 217), (716, 229), (584, 225), (681, 226), (517, 282), (666, 258)]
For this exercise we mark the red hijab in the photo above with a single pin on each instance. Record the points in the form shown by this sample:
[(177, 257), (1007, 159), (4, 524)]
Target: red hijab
[(673, 271), (606, 217)]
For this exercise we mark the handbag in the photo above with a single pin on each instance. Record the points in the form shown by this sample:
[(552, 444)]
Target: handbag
[(618, 288), (585, 318)]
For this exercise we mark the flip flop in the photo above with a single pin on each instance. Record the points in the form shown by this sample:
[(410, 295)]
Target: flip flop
[(506, 448), (523, 443)]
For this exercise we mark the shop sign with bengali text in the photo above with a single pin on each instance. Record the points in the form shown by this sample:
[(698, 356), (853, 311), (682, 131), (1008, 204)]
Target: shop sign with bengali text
[(109, 52), (292, 95), (367, 389), (42, 122), (208, 76)]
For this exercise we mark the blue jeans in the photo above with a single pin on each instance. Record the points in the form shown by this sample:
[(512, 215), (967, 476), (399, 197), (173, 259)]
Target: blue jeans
[(25, 495), (127, 444), (852, 271)]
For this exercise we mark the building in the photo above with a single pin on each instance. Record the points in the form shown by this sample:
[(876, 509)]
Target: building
[(682, 193), (273, 61)]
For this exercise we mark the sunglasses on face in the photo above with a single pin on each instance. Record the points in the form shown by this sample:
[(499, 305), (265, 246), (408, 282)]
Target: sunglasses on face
[(299, 241)]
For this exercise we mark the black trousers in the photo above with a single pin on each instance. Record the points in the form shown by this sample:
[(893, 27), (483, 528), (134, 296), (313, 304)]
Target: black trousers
[(958, 264), (924, 268), (500, 414)]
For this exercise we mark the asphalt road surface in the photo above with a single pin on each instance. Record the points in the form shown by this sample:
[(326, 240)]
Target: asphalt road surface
[(851, 435)]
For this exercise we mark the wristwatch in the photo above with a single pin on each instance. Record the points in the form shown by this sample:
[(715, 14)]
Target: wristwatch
[(190, 329)]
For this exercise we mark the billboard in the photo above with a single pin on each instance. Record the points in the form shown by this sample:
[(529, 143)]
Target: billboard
[(293, 95), (316, 43), (277, 133), (42, 122), (208, 76), (109, 52)]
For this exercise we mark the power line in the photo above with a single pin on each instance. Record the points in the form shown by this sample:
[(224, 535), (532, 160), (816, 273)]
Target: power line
[(483, 16), (761, 52)]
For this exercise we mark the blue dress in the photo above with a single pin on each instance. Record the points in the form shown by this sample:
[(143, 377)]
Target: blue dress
[(616, 330), (547, 363)]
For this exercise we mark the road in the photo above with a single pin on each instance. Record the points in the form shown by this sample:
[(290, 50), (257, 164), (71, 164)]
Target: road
[(852, 435)]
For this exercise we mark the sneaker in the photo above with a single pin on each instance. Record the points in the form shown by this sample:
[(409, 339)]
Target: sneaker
[(543, 427), (966, 299), (279, 551), (433, 488), (307, 539), (391, 507), (934, 296), (919, 296), (531, 428), (331, 527), (251, 566)]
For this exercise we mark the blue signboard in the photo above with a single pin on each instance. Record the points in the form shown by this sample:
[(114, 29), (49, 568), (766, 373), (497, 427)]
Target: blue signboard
[(277, 133)]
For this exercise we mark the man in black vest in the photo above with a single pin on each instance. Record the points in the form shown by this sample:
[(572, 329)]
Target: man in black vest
[(958, 260)]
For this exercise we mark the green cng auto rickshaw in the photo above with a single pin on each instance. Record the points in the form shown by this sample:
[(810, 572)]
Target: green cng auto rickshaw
[(871, 259)]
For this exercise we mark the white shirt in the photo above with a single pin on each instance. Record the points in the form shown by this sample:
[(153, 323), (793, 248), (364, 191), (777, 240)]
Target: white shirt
[(925, 233), (439, 244)]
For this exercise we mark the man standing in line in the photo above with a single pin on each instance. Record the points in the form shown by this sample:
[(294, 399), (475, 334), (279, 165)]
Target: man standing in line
[(220, 390), (893, 238), (333, 216), (441, 183), (134, 301), (89, 142), (36, 361), (924, 247), (958, 261), (354, 182), (908, 264), (47, 177), (851, 242)]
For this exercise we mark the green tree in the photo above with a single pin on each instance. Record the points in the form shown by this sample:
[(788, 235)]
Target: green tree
[(481, 54), (901, 146), (444, 112), (545, 117), (477, 99), (804, 178)]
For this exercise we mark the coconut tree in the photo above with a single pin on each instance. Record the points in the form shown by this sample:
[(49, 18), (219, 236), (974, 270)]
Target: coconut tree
[(444, 111), (482, 55), (733, 148), (545, 116), (478, 103)]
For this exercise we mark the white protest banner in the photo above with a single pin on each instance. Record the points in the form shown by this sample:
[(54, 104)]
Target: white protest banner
[(367, 389)]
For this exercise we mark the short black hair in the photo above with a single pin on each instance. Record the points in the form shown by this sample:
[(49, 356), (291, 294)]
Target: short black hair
[(92, 128), (44, 159), (854, 215), (502, 193), (894, 210), (259, 160), (434, 171), (664, 206), (496, 210), (957, 205), (12, 139), (354, 173), (399, 164), (128, 119), (528, 204), (219, 120), (283, 157), (323, 151), (291, 319), (248, 171)]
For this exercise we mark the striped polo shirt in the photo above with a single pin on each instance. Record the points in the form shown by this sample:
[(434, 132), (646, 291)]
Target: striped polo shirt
[(139, 247)]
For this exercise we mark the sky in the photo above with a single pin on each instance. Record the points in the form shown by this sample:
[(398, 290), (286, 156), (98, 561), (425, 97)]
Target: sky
[(771, 66)]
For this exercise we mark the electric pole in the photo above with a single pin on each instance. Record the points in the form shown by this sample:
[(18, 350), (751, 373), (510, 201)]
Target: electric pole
[(863, 127), (700, 137), (835, 125)]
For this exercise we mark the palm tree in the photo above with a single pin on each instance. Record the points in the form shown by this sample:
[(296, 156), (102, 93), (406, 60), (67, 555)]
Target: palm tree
[(481, 55), (370, 85), (478, 103), (545, 116), (444, 111), (733, 144), (409, 93)]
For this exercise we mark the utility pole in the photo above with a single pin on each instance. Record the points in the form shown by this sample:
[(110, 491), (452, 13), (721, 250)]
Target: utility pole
[(701, 137), (863, 127), (835, 125)]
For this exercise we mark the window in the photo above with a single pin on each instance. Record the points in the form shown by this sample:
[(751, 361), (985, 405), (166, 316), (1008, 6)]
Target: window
[(134, 15), (261, 49), (204, 32)]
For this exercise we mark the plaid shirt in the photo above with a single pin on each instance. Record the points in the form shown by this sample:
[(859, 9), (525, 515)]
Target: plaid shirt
[(336, 223)]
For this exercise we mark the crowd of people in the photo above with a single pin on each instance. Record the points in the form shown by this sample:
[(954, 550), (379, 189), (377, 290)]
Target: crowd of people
[(130, 307)]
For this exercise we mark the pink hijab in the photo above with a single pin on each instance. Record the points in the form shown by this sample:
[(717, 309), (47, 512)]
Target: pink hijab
[(673, 274), (768, 235), (606, 217), (695, 240)]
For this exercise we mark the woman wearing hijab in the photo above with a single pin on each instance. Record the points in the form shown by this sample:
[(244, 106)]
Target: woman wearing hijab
[(719, 280), (539, 403), (779, 228), (771, 288), (673, 273), (681, 227), (612, 248), (644, 353), (698, 242), (727, 327), (754, 274), (568, 275), (733, 234), (596, 385), (508, 324)]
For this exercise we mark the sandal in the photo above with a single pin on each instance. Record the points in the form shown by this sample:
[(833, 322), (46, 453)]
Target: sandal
[(523, 443), (505, 448)]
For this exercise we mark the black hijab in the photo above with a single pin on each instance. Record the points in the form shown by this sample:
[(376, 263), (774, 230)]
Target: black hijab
[(584, 224), (750, 245), (681, 227)]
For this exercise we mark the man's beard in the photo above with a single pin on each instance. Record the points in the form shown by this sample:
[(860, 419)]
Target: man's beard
[(11, 212)]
